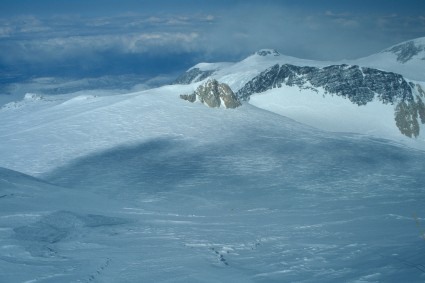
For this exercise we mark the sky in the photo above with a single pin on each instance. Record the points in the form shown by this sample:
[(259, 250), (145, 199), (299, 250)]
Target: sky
[(96, 38)]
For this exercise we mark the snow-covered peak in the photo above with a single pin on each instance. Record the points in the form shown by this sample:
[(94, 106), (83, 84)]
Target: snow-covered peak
[(408, 50), (267, 52), (210, 66), (406, 58)]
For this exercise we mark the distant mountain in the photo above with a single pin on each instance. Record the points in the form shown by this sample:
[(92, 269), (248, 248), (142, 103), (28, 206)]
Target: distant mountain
[(367, 95), (360, 85), (408, 51), (407, 59)]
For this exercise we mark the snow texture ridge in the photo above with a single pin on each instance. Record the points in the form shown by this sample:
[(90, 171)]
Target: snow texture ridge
[(193, 75)]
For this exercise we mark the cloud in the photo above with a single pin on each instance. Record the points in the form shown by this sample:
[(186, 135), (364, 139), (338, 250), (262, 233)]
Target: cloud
[(292, 32), (134, 42), (5, 31), (62, 36), (312, 33), (236, 32), (343, 19), (60, 47), (100, 86), (75, 46)]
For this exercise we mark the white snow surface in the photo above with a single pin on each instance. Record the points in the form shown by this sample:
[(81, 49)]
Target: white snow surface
[(236, 75), (413, 69), (335, 113), (239, 73), (326, 111), (149, 187)]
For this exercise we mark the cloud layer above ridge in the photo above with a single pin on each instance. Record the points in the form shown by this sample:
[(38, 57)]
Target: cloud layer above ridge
[(156, 37)]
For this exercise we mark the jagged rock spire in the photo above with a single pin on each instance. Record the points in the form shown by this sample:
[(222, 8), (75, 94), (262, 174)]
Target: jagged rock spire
[(213, 94)]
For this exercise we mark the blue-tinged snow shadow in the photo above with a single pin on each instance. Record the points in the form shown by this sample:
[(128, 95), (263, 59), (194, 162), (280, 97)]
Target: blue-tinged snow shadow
[(154, 164), (344, 202), (329, 164)]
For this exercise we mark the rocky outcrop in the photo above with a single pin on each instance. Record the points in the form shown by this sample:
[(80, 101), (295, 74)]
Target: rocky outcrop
[(192, 76), (188, 97), (359, 84), (406, 118), (213, 94), (406, 51), (410, 114), (420, 90), (267, 52)]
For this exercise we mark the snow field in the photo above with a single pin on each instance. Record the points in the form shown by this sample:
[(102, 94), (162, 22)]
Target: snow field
[(148, 186)]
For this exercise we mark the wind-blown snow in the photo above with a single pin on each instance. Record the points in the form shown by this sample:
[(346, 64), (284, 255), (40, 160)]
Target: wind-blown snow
[(414, 69), (411, 64), (333, 113), (149, 187)]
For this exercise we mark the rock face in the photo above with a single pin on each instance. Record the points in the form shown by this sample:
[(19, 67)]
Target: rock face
[(213, 94), (267, 52), (409, 114), (192, 76), (359, 84), (406, 51)]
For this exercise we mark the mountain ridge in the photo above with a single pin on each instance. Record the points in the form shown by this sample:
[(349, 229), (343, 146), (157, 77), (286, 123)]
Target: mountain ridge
[(406, 50), (399, 55), (360, 81)]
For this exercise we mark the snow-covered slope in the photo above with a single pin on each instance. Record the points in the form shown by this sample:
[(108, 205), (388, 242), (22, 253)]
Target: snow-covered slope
[(381, 95), (150, 187), (407, 58), (309, 108), (236, 75), (342, 98)]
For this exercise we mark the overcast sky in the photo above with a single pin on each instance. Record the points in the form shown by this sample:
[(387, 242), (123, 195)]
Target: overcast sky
[(89, 38)]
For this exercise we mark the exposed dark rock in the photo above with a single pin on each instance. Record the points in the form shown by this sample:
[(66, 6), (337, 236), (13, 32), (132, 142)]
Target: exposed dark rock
[(406, 51), (208, 93), (227, 96), (358, 84), (267, 52), (420, 106), (420, 90), (192, 76), (188, 97), (213, 93), (406, 117)]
